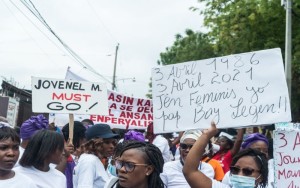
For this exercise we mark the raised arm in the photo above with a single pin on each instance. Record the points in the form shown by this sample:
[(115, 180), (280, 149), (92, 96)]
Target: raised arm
[(194, 177), (238, 142)]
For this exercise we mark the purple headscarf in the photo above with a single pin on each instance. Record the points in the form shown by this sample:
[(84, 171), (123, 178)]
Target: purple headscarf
[(134, 135), (251, 138), (31, 125)]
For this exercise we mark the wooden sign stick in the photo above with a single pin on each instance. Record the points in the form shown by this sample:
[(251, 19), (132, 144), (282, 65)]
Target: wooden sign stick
[(71, 128)]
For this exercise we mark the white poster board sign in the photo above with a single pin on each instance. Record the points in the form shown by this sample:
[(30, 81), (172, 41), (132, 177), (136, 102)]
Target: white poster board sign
[(68, 96), (233, 91), (287, 158), (125, 112)]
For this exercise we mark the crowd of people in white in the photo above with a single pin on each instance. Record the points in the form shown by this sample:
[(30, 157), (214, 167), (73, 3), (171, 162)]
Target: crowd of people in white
[(43, 156)]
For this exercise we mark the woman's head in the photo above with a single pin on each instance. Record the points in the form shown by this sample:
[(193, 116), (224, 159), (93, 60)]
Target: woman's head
[(140, 164), (251, 165), (225, 143), (101, 141), (256, 141), (9, 148), (44, 147), (187, 141), (33, 124), (78, 133)]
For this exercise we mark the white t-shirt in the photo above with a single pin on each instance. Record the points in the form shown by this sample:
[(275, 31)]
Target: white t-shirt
[(163, 145), (172, 174), (19, 180), (50, 179), (89, 172)]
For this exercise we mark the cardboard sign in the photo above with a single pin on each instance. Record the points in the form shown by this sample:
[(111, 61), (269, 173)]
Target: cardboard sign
[(68, 96), (125, 112), (287, 158), (233, 91)]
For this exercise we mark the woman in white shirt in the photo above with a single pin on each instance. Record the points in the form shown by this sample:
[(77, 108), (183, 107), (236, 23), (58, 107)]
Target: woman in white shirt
[(44, 147), (9, 153), (90, 172), (248, 168)]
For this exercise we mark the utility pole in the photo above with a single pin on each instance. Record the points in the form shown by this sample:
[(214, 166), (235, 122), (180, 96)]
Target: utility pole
[(288, 46), (115, 67)]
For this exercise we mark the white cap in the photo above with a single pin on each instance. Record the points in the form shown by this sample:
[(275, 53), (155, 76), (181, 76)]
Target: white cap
[(193, 134), (226, 134)]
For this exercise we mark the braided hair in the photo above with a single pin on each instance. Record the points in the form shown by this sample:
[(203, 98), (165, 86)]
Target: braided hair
[(259, 158), (153, 156)]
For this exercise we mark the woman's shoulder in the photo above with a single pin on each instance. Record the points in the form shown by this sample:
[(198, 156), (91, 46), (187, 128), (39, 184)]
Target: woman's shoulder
[(88, 157), (19, 180)]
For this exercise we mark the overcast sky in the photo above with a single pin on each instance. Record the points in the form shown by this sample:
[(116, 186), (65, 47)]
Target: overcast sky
[(92, 28)]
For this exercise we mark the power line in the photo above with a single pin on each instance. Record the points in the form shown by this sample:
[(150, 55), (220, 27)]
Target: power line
[(31, 23), (31, 7), (100, 21)]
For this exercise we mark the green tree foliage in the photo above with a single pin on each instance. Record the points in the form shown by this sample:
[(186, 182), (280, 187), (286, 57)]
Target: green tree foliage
[(149, 95), (238, 26), (247, 25), (193, 46)]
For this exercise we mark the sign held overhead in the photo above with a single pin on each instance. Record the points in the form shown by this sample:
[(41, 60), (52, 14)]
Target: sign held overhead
[(68, 96), (233, 91)]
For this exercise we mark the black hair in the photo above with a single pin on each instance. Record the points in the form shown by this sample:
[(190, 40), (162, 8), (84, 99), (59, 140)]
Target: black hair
[(42, 144), (260, 159), (78, 133), (153, 156), (119, 147), (17, 129), (90, 122), (7, 133), (270, 148)]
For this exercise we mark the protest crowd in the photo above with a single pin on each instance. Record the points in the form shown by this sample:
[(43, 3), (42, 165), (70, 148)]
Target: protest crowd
[(216, 123), (98, 156)]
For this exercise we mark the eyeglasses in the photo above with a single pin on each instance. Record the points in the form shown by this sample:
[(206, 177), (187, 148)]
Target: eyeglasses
[(186, 146), (246, 171), (129, 166)]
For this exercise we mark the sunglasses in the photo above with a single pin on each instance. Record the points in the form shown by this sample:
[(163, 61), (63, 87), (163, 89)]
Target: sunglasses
[(129, 166), (246, 171), (185, 146)]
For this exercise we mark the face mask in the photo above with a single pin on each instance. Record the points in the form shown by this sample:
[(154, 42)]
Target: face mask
[(112, 170), (238, 181), (215, 148)]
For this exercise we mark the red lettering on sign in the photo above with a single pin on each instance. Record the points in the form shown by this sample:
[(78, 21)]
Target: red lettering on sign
[(113, 105), (71, 96), (297, 141)]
